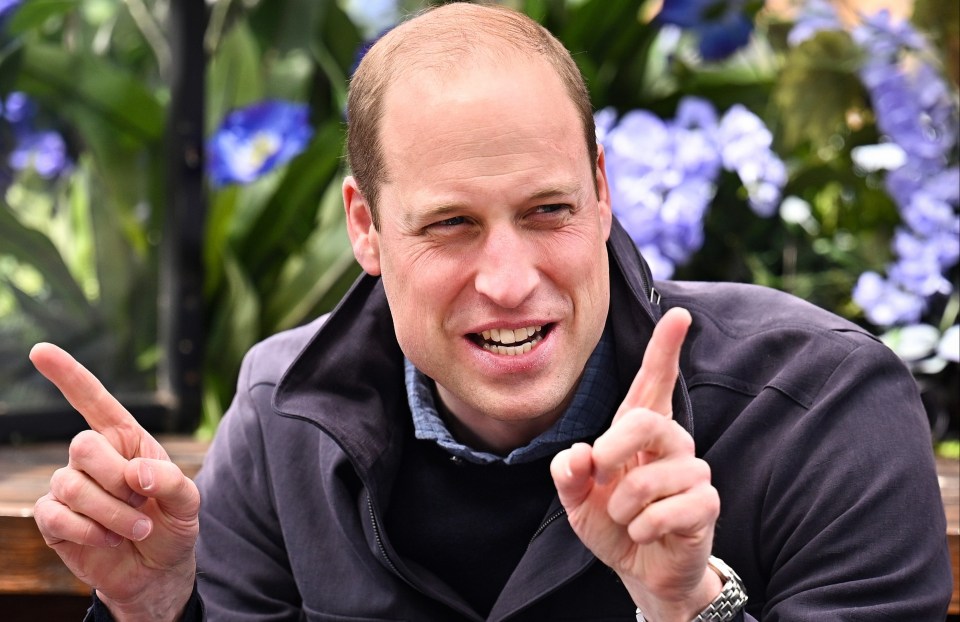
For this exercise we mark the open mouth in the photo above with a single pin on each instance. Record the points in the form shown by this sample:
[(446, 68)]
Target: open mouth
[(510, 342)]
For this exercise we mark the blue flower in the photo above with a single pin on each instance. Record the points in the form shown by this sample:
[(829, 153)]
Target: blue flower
[(817, 16), (45, 152), (916, 113), (254, 140), (746, 149), (663, 174), (880, 35), (722, 26), (884, 303), (19, 111), (7, 9)]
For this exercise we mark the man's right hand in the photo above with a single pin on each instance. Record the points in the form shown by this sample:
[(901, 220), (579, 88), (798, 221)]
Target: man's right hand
[(121, 515)]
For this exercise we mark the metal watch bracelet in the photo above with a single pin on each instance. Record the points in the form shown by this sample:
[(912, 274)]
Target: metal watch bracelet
[(728, 602)]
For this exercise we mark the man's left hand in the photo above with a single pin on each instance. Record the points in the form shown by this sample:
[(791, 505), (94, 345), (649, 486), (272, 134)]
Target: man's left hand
[(639, 498)]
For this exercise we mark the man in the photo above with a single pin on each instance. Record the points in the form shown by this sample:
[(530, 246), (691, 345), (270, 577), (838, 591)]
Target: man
[(468, 437)]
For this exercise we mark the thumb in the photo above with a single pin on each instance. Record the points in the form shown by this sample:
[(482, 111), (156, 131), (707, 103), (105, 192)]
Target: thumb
[(572, 471)]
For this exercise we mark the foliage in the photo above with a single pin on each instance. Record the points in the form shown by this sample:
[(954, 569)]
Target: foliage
[(743, 143)]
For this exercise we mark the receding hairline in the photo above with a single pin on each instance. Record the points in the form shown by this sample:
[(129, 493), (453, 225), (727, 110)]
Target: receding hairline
[(447, 40), (457, 36)]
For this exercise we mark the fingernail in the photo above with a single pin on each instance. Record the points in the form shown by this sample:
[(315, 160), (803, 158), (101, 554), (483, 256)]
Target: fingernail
[(145, 473), (141, 529), (114, 539)]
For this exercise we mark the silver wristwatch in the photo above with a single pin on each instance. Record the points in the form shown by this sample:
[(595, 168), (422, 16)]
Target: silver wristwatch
[(728, 602)]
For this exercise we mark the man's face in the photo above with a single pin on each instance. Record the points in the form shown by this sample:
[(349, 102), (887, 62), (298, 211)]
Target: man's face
[(491, 243)]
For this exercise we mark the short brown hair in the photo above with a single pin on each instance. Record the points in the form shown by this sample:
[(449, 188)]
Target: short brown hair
[(442, 37)]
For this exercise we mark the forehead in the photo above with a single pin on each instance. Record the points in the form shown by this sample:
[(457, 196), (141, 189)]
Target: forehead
[(482, 118)]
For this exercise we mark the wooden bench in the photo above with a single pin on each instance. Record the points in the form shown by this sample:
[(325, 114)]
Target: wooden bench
[(29, 567)]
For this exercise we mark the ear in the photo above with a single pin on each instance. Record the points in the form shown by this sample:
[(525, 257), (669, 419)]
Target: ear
[(603, 194), (364, 237)]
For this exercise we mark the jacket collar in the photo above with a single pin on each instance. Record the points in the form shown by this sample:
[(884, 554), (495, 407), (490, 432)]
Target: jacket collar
[(348, 380)]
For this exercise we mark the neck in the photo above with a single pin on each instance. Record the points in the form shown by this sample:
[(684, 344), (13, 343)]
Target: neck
[(496, 436)]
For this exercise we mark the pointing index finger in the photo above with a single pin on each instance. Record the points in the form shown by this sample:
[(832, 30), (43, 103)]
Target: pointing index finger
[(652, 388), (88, 396)]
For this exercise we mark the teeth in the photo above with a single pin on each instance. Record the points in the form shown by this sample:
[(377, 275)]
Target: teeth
[(506, 337)]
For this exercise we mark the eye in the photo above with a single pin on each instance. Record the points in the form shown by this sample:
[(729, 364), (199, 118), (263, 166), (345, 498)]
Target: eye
[(449, 222), (552, 208)]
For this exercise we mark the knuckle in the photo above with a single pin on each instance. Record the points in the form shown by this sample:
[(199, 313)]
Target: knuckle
[(703, 471), (84, 446), (42, 513), (91, 533), (51, 523), (68, 485), (637, 485), (712, 500)]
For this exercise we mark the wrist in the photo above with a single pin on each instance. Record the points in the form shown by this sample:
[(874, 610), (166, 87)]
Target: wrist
[(678, 607), (161, 602), (724, 607)]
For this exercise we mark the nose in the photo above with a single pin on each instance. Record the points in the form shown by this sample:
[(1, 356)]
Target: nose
[(507, 271)]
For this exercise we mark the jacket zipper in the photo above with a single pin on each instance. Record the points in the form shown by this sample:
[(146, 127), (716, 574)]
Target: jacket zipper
[(383, 549), (383, 553), (546, 523)]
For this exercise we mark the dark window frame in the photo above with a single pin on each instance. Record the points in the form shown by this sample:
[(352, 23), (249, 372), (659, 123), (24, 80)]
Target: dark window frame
[(176, 405)]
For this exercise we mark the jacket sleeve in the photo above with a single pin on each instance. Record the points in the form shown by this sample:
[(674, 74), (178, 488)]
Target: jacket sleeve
[(243, 572), (853, 525), (193, 612)]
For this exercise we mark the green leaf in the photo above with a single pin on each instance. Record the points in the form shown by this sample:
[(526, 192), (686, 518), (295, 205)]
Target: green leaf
[(234, 75), (126, 172), (309, 279), (33, 14), (234, 325), (55, 323), (219, 219), (817, 87), (290, 215), (32, 247), (71, 81)]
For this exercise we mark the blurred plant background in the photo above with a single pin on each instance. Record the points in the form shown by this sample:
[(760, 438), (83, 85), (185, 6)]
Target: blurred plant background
[(804, 145)]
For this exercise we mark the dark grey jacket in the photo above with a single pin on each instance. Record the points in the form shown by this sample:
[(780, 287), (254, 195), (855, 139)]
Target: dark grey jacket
[(814, 431)]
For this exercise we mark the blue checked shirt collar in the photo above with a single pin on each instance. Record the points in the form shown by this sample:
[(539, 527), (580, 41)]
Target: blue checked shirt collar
[(591, 408)]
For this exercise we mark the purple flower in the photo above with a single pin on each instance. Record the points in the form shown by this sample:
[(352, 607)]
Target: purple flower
[(816, 16), (19, 110), (880, 35), (7, 9), (920, 275), (723, 26), (913, 108), (926, 215), (745, 148), (884, 303), (916, 112), (254, 140), (663, 174), (45, 152), (944, 245)]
